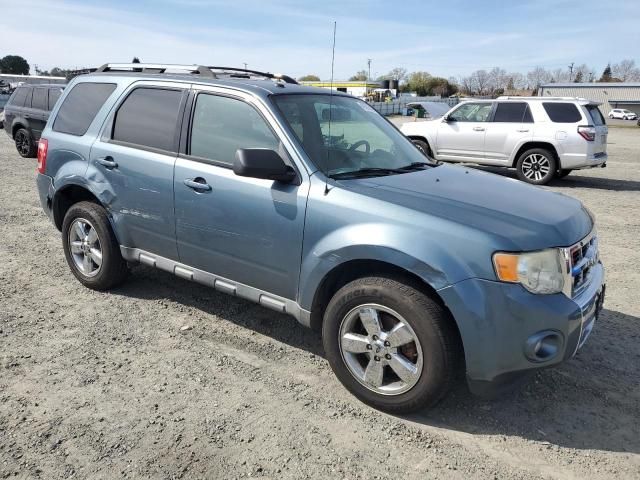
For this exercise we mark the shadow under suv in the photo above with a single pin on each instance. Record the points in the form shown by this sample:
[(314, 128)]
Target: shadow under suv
[(312, 204)]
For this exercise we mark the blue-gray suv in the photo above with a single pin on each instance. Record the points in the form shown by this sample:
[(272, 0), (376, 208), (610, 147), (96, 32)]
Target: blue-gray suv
[(309, 202)]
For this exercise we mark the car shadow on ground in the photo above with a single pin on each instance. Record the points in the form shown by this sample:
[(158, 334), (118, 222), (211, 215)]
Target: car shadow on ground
[(584, 404), (574, 180)]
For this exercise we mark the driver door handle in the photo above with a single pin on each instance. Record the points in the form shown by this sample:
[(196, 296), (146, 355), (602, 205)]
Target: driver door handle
[(198, 184), (107, 161), (478, 129)]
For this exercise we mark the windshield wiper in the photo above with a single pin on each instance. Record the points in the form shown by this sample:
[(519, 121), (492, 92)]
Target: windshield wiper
[(368, 172), (416, 166)]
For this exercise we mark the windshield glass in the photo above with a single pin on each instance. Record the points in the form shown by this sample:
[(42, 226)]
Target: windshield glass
[(344, 135)]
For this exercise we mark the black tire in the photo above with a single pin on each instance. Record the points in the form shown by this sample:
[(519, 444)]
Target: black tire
[(25, 144), (525, 166), (113, 269), (432, 324), (563, 172), (423, 147)]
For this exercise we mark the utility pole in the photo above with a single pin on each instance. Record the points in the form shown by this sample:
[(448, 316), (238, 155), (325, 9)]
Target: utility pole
[(245, 65), (369, 66), (571, 72)]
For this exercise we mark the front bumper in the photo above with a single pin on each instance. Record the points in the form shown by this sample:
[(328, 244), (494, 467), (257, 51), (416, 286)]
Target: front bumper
[(498, 320)]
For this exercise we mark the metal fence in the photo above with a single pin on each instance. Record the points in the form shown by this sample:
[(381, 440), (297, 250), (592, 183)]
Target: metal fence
[(398, 106)]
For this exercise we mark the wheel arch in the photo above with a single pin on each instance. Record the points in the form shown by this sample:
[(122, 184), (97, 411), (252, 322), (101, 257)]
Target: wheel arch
[(66, 197), (17, 126)]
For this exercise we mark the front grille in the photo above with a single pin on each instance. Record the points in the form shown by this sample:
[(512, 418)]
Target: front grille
[(584, 256)]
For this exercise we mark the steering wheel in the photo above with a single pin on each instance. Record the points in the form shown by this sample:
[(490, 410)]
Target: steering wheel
[(359, 144)]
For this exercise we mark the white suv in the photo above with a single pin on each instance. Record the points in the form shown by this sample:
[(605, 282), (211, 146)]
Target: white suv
[(541, 137), (622, 113)]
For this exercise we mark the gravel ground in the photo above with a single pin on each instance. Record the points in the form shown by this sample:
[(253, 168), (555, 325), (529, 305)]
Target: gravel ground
[(110, 385)]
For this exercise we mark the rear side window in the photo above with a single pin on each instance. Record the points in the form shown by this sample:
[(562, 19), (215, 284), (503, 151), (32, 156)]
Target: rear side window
[(562, 112), (54, 95), (222, 125), (39, 99), (148, 117), (595, 114), (80, 107), (19, 97), (513, 112)]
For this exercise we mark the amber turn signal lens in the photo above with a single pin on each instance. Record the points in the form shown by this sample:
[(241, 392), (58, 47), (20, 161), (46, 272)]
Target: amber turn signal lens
[(506, 265)]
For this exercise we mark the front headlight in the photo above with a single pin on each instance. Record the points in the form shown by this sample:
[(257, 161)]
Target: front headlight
[(539, 272)]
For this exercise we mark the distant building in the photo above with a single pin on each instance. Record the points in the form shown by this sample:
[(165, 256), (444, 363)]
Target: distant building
[(11, 79), (610, 94), (355, 88)]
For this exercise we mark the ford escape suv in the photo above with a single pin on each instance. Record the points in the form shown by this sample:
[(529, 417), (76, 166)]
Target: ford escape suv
[(541, 137), (312, 204)]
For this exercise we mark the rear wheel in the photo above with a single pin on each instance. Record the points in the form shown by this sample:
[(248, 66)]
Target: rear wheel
[(564, 172), (390, 345), (536, 166), (25, 144)]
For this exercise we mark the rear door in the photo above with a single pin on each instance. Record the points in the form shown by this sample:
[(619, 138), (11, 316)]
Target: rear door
[(133, 160), (39, 114), (461, 136), (511, 125)]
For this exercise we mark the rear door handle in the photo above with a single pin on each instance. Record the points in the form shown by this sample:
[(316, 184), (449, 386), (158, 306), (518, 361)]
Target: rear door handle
[(108, 162), (199, 184), (478, 129)]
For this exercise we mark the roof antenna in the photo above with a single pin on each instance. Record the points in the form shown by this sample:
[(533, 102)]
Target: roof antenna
[(333, 57)]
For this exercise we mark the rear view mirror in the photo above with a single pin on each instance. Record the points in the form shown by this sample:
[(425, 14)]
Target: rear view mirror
[(336, 114), (262, 163)]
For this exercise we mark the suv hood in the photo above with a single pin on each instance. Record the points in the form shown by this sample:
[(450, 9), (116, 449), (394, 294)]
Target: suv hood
[(525, 217)]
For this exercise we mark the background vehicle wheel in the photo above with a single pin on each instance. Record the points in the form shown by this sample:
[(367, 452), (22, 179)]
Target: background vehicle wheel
[(91, 249), (536, 166), (391, 345), (423, 147), (563, 172), (25, 144)]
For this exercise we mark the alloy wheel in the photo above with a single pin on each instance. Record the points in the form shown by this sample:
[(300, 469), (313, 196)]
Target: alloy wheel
[(22, 143), (86, 250), (536, 167), (380, 349)]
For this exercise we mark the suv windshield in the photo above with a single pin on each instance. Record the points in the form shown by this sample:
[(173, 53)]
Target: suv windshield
[(345, 137)]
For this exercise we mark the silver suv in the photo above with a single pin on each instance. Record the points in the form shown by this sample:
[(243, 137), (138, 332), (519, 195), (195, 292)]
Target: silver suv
[(540, 137)]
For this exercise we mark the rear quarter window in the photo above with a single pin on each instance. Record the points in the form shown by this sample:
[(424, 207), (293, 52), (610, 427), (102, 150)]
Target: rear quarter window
[(562, 112), (595, 114), (19, 96), (80, 107)]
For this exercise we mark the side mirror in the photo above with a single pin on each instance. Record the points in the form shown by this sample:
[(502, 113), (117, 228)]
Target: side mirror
[(262, 163), (447, 119)]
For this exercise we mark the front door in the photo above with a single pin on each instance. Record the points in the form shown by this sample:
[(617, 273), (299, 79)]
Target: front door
[(461, 136), (246, 230)]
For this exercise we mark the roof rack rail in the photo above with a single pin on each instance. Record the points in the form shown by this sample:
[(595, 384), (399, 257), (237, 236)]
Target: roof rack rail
[(205, 71), (539, 97)]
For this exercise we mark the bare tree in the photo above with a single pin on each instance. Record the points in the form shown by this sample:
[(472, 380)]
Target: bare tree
[(584, 73), (481, 81), (498, 80), (397, 73), (516, 80), (466, 85), (626, 71), (537, 77), (559, 75)]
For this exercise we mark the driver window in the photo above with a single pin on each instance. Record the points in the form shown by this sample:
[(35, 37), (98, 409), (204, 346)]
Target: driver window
[(471, 112)]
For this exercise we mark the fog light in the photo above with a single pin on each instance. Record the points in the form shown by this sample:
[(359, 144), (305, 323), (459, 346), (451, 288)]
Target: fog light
[(543, 346)]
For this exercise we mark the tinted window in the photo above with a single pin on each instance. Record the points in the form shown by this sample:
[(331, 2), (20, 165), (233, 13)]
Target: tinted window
[(471, 112), (222, 125), (80, 107), (39, 99), (513, 112), (54, 95), (148, 117), (27, 101), (18, 98), (562, 112), (596, 116)]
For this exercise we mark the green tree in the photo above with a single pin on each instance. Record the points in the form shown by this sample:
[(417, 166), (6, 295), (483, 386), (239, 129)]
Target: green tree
[(578, 78), (361, 76), (310, 78), (135, 60), (418, 82), (606, 74), (14, 64)]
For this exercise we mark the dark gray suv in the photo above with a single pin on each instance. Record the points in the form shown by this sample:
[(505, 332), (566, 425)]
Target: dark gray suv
[(312, 204)]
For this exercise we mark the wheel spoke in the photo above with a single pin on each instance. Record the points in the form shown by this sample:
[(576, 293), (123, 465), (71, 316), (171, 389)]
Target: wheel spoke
[(76, 247), (528, 173), (354, 343), (87, 266), (406, 370), (399, 335), (370, 320), (96, 256), (374, 373), (92, 236), (79, 229)]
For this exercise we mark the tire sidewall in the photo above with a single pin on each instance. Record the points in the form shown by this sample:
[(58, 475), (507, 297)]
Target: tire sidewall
[(429, 387), (32, 148), (423, 147), (552, 164)]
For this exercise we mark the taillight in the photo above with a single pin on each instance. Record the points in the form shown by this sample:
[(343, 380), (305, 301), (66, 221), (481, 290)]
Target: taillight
[(43, 146), (588, 133)]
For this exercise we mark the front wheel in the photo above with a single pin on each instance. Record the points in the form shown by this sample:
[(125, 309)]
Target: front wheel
[(536, 166), (391, 345), (423, 147)]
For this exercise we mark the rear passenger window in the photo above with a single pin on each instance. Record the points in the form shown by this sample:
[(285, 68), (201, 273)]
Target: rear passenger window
[(222, 125), (562, 112), (80, 107), (27, 101), (39, 98), (19, 97), (149, 118), (513, 112), (54, 95)]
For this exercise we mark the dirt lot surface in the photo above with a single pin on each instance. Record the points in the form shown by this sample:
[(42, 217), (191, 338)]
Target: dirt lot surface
[(108, 385)]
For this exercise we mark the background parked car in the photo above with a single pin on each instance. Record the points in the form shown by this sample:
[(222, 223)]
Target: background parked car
[(26, 113), (623, 114), (429, 110)]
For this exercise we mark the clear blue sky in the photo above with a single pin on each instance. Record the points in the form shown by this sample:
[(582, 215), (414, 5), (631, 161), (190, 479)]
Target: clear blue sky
[(446, 38)]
